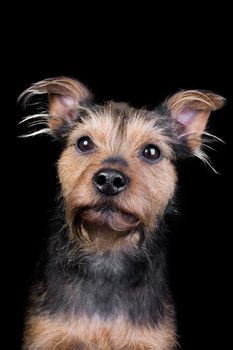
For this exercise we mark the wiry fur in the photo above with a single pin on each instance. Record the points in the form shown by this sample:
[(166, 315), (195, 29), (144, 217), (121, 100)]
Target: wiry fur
[(102, 283)]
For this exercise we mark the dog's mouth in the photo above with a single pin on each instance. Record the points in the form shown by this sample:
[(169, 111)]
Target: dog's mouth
[(108, 218)]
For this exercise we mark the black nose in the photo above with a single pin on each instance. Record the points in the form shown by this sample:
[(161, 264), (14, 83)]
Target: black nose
[(110, 181)]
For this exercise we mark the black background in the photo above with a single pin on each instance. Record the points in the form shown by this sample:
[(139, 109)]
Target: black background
[(128, 65)]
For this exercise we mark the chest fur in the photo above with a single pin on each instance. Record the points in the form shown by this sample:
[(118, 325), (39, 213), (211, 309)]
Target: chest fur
[(56, 333)]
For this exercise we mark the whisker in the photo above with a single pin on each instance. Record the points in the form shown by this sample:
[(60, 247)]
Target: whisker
[(38, 132)]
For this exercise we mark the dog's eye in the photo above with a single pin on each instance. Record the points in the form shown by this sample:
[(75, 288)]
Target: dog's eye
[(151, 153), (85, 144)]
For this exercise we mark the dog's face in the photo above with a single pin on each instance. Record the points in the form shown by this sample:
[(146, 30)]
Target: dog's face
[(117, 170)]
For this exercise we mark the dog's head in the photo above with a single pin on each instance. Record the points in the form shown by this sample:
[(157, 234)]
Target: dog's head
[(117, 169)]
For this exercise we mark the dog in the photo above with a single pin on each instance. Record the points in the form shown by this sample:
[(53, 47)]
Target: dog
[(102, 282)]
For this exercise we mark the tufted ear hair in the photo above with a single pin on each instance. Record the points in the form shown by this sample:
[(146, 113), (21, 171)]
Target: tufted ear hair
[(190, 110), (65, 96)]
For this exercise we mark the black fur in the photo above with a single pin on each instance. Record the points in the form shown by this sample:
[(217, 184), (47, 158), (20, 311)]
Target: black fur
[(134, 285), (116, 160)]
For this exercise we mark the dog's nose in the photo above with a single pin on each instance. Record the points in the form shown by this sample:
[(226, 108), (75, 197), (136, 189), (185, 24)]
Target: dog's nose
[(110, 181)]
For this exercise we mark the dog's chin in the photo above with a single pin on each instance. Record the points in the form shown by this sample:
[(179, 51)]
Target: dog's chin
[(109, 219)]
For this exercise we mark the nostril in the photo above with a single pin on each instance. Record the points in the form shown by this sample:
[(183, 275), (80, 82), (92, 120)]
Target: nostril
[(101, 180), (118, 182)]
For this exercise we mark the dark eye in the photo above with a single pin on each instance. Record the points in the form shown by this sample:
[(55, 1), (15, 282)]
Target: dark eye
[(151, 153), (85, 144)]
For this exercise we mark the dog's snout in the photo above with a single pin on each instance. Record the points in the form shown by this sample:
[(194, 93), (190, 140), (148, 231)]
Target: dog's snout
[(110, 181)]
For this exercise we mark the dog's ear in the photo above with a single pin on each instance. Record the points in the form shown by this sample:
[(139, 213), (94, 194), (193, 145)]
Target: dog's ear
[(65, 96), (191, 109)]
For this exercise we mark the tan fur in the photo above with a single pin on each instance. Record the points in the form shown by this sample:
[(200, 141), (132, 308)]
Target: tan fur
[(65, 95), (151, 186), (48, 333), (200, 100), (203, 102), (106, 239)]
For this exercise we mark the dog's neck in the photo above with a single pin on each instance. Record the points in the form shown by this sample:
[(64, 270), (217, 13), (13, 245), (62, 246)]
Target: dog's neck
[(104, 283), (108, 283)]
